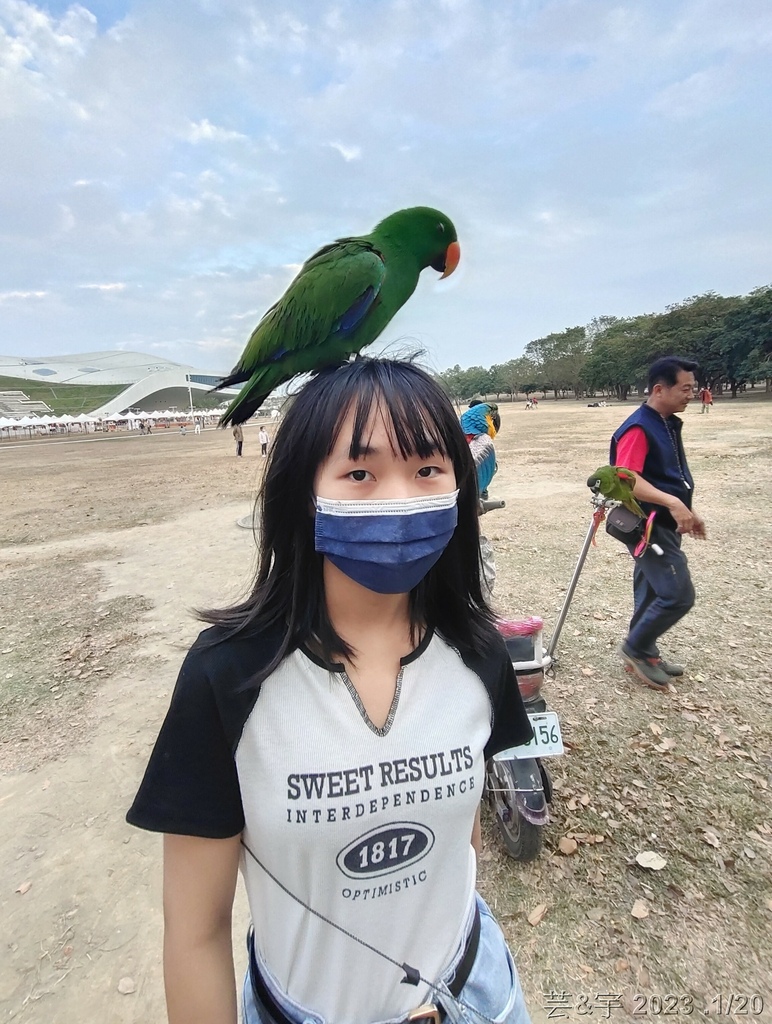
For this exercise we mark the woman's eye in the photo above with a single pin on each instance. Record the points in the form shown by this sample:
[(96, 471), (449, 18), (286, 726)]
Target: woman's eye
[(428, 471), (359, 475)]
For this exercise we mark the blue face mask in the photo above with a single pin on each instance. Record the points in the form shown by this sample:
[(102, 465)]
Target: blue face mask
[(386, 546)]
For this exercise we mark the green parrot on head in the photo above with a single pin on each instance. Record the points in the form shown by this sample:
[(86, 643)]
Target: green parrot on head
[(341, 300), (617, 483)]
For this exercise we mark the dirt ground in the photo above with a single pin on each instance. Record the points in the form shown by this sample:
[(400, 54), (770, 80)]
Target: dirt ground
[(107, 544)]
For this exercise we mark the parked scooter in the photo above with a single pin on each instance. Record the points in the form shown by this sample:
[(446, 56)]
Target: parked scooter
[(517, 782)]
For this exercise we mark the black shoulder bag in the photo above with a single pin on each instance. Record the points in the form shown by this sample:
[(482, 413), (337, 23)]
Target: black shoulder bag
[(624, 525)]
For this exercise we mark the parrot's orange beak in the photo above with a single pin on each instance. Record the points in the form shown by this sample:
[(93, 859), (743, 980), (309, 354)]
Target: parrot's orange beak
[(452, 256)]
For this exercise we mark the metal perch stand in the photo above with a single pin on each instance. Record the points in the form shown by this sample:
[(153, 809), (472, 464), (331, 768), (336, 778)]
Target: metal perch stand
[(600, 505)]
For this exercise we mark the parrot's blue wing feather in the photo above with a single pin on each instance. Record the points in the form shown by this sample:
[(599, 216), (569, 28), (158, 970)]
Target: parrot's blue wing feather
[(485, 471), (356, 312), (484, 455)]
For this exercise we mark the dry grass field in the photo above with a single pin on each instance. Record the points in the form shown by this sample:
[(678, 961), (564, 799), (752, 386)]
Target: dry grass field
[(105, 546)]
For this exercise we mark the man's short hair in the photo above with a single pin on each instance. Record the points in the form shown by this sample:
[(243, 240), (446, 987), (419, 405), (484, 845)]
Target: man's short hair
[(666, 370)]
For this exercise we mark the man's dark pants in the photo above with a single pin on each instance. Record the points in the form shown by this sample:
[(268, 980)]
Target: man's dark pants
[(662, 590)]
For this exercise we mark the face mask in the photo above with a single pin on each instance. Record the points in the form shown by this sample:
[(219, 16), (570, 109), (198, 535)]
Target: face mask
[(386, 546)]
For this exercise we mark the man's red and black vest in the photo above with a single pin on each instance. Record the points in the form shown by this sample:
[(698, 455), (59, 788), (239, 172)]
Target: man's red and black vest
[(665, 466)]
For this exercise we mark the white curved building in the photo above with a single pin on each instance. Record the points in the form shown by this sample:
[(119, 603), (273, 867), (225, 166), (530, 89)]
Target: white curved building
[(150, 383)]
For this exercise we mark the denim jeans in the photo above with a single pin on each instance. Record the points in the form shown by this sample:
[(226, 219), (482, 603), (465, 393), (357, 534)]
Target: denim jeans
[(662, 590), (492, 992)]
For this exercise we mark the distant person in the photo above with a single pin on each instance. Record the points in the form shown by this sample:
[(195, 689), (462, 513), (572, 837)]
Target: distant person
[(264, 439), (183, 431), (706, 399), (649, 443), (197, 428), (238, 435)]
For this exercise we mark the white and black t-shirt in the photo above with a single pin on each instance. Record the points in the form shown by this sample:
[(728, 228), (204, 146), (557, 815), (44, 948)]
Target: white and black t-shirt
[(370, 827)]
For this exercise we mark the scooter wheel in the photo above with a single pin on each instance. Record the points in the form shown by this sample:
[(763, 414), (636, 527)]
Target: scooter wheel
[(522, 839)]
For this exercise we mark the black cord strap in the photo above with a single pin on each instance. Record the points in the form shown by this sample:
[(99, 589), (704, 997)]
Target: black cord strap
[(412, 975)]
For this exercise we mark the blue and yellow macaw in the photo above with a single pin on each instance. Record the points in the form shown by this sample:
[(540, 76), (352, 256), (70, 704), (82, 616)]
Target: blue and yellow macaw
[(481, 424)]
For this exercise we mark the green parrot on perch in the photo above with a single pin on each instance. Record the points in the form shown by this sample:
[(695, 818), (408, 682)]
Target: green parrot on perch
[(341, 300), (616, 483)]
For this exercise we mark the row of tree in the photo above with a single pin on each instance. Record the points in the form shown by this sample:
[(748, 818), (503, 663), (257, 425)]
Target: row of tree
[(730, 339)]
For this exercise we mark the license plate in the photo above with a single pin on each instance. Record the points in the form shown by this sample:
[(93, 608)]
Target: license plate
[(547, 740)]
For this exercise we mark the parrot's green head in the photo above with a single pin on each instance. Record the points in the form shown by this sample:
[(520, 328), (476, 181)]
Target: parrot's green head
[(602, 478), (428, 234)]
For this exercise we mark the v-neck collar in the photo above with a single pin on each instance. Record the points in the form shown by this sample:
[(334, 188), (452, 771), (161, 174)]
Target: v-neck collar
[(340, 670)]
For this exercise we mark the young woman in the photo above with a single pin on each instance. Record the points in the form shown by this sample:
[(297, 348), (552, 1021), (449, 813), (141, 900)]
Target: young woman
[(328, 734)]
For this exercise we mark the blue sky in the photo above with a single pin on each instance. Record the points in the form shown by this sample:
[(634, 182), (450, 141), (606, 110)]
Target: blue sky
[(165, 167)]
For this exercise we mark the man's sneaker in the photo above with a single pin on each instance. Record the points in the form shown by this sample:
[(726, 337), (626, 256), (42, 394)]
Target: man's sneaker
[(670, 667), (646, 670)]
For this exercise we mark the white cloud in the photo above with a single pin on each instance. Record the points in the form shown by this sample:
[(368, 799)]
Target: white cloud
[(347, 152), (113, 286), (21, 296), (205, 131)]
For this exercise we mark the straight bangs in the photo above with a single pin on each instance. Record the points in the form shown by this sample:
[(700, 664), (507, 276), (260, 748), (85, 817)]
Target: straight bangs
[(413, 431)]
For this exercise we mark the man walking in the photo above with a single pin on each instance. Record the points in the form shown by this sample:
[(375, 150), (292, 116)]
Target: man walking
[(649, 443), (706, 399), (263, 438), (238, 436)]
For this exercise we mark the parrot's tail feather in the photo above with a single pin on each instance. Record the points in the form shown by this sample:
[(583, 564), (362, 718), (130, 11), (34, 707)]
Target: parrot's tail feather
[(241, 408), (236, 376)]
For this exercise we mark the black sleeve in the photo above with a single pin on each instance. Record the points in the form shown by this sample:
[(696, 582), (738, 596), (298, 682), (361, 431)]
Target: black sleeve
[(191, 786), (511, 725)]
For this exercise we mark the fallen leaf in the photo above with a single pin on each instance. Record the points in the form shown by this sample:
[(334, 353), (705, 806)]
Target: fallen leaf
[(584, 799), (596, 914), (537, 914), (640, 909), (621, 965), (711, 838), (24, 887), (749, 853), (126, 986), (667, 744), (769, 904), (588, 672), (656, 729), (568, 846), (573, 803), (650, 859)]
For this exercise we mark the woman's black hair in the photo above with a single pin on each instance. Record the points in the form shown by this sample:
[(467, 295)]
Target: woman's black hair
[(288, 593)]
